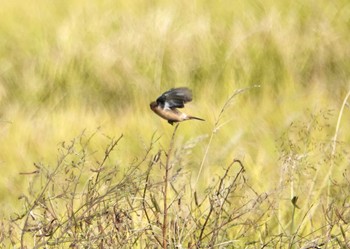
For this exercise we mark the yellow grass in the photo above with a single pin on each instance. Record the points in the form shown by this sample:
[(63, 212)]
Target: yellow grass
[(90, 66)]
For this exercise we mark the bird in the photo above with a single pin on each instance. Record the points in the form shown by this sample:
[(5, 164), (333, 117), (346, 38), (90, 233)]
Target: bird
[(166, 104)]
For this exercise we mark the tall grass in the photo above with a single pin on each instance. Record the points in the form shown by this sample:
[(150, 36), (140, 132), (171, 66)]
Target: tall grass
[(87, 66)]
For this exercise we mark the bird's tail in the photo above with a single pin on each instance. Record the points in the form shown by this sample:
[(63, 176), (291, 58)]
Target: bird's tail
[(191, 117)]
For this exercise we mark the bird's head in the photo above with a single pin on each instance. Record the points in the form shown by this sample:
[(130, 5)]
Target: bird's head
[(153, 105)]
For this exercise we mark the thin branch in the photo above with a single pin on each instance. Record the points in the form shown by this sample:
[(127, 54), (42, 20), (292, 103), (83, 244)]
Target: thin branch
[(43, 191), (165, 192), (107, 153), (153, 161)]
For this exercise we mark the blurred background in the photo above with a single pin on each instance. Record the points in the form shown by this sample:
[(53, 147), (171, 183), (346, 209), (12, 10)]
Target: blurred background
[(90, 66)]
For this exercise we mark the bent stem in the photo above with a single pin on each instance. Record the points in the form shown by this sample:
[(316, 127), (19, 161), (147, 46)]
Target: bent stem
[(165, 192), (335, 138), (217, 126), (338, 122)]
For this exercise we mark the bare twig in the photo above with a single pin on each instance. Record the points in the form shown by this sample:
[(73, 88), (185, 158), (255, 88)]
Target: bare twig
[(165, 191), (107, 153), (43, 191), (152, 162)]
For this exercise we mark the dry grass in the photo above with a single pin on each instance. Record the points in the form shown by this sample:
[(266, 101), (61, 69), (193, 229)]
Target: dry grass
[(151, 203), (91, 68)]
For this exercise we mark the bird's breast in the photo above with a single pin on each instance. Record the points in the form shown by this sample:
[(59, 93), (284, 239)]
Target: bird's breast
[(170, 114)]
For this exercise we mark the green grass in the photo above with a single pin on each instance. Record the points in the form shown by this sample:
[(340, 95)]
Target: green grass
[(95, 67)]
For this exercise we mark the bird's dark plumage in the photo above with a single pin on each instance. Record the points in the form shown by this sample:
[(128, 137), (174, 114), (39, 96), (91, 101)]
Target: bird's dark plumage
[(175, 98)]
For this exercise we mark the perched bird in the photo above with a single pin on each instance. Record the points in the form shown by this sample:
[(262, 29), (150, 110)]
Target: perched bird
[(166, 104)]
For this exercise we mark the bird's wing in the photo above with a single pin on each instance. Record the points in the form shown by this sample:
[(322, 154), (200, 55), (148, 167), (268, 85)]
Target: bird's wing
[(175, 98)]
